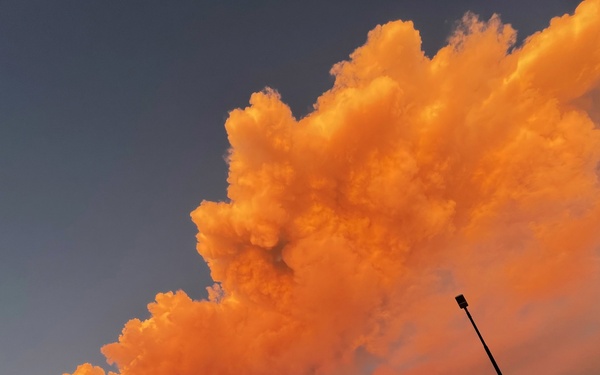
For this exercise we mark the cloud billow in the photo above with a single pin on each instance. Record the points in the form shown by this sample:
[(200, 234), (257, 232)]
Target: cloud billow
[(348, 232)]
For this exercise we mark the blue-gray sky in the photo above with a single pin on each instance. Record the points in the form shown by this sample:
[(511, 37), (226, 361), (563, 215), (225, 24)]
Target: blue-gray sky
[(111, 132)]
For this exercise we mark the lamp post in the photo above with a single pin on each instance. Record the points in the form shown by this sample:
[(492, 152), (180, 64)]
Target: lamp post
[(462, 303)]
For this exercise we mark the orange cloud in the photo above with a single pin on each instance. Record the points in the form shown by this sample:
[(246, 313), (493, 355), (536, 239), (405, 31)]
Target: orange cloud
[(87, 369), (349, 232)]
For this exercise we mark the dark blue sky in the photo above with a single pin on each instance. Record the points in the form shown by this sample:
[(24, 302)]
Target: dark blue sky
[(111, 132)]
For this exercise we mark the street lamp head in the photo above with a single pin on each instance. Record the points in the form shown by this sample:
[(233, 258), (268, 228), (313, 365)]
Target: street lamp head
[(462, 301)]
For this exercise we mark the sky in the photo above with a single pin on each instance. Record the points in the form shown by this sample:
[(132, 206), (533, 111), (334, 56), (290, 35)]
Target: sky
[(113, 130)]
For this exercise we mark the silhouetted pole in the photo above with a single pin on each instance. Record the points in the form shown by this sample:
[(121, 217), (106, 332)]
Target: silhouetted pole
[(462, 303)]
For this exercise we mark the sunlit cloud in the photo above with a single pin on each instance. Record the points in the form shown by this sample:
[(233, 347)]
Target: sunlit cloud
[(348, 232)]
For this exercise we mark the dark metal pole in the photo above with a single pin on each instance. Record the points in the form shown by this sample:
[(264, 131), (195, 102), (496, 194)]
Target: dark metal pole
[(462, 302)]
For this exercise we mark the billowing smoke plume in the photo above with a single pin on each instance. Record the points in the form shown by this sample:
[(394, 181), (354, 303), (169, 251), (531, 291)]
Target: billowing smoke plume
[(349, 232)]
